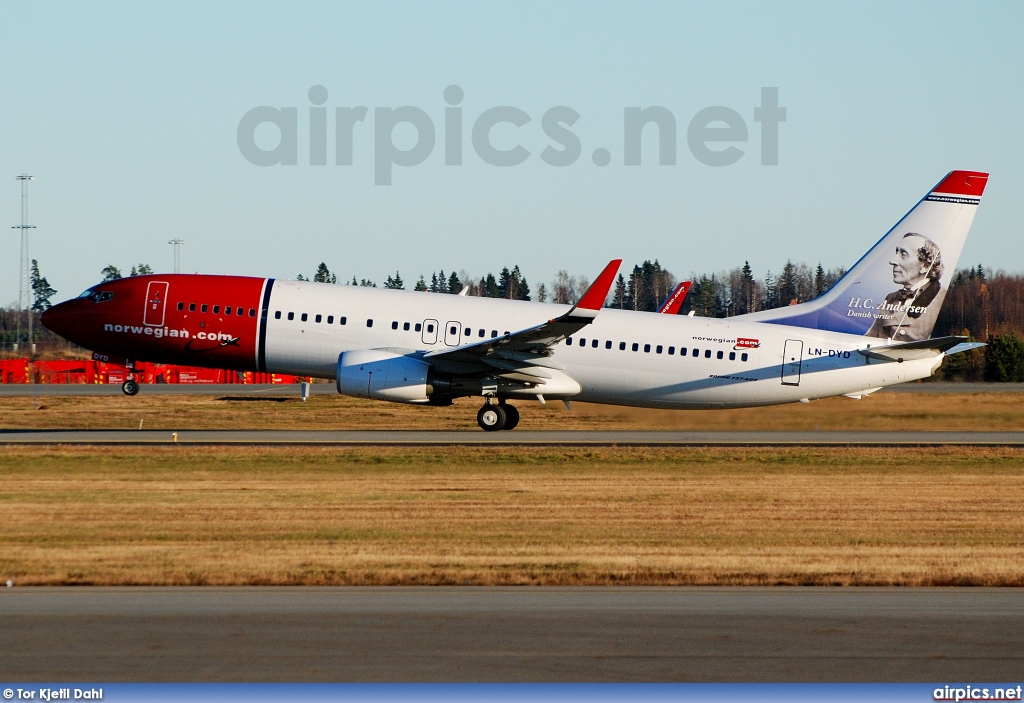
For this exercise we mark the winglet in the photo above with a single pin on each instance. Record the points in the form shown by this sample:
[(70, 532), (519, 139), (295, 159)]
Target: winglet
[(594, 297), (675, 301)]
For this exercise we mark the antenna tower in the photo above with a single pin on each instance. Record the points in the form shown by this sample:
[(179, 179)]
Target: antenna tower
[(24, 282)]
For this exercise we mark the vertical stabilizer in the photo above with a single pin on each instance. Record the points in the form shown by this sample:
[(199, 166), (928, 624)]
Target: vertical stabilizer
[(896, 289)]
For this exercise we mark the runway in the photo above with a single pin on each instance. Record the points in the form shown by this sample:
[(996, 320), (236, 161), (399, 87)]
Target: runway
[(511, 634), (536, 438)]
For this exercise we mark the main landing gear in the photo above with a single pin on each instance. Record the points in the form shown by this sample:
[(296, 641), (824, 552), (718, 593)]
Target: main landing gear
[(130, 387), (497, 416)]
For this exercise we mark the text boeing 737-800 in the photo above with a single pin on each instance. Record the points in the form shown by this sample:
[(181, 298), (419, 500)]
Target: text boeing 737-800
[(871, 329)]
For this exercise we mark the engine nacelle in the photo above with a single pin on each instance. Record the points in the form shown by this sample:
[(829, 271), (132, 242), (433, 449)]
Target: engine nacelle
[(381, 375)]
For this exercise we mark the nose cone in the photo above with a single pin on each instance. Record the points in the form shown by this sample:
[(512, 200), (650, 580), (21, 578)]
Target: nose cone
[(61, 318)]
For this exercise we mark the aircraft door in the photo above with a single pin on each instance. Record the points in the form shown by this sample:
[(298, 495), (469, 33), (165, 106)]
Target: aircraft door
[(792, 355), (156, 304), (452, 333), (429, 332)]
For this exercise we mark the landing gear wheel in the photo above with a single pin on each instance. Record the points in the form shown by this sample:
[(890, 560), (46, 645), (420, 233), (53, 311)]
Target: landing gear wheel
[(491, 418), (511, 416), (130, 387)]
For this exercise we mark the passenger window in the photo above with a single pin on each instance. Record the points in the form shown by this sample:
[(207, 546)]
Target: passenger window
[(291, 316), (732, 356), (369, 323), (277, 315), (583, 342), (721, 354), (191, 307), (216, 309), (743, 356), (330, 319), (469, 332), (671, 351), (494, 333), (343, 320), (707, 353), (696, 352), (252, 312), (453, 330), (622, 346), (636, 347), (647, 348), (181, 306), (203, 308), (594, 344), (682, 351), (608, 344), (305, 316), (568, 340), (227, 309), (318, 318), (657, 350), (481, 332), (430, 328), (418, 327), (406, 327), (394, 324), (507, 333)]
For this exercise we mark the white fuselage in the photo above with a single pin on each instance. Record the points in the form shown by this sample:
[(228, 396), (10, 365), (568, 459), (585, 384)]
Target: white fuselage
[(637, 360)]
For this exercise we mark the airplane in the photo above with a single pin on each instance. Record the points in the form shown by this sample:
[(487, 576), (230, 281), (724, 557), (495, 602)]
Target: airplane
[(872, 329)]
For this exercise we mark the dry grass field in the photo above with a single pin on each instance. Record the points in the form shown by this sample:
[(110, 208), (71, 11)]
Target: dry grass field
[(883, 411), (211, 515)]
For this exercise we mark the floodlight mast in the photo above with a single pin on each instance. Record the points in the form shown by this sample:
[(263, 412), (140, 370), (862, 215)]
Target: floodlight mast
[(24, 279), (177, 253)]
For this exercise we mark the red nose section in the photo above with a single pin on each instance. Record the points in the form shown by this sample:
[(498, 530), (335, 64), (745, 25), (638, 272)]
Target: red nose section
[(60, 319), (195, 320)]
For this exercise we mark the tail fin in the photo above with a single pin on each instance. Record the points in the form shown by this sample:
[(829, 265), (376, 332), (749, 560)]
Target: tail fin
[(675, 300), (896, 289)]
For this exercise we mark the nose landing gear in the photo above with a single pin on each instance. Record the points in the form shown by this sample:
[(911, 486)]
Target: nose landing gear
[(130, 387), (500, 416)]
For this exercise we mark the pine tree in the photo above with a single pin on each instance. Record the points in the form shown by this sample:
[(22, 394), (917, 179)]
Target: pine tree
[(141, 270), (395, 283), (819, 281), (42, 291), (619, 296), (324, 275), (454, 284), (111, 273), (421, 285), (490, 287)]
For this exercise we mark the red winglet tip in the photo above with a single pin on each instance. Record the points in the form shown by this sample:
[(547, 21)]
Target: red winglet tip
[(963, 183), (595, 296)]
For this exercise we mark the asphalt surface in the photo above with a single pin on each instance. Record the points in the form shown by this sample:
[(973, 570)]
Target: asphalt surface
[(572, 438), (292, 390), (511, 634)]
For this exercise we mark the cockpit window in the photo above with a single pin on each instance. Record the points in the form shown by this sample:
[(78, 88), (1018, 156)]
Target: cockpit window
[(98, 296)]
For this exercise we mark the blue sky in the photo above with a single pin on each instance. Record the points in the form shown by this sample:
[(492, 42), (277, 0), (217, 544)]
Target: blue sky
[(127, 115)]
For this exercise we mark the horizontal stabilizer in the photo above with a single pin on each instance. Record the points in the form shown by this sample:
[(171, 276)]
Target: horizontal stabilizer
[(909, 351)]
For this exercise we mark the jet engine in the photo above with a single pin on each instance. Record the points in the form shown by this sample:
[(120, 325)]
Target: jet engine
[(383, 375)]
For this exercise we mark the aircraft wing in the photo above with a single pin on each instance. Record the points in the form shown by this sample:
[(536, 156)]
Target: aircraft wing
[(921, 349), (526, 352)]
